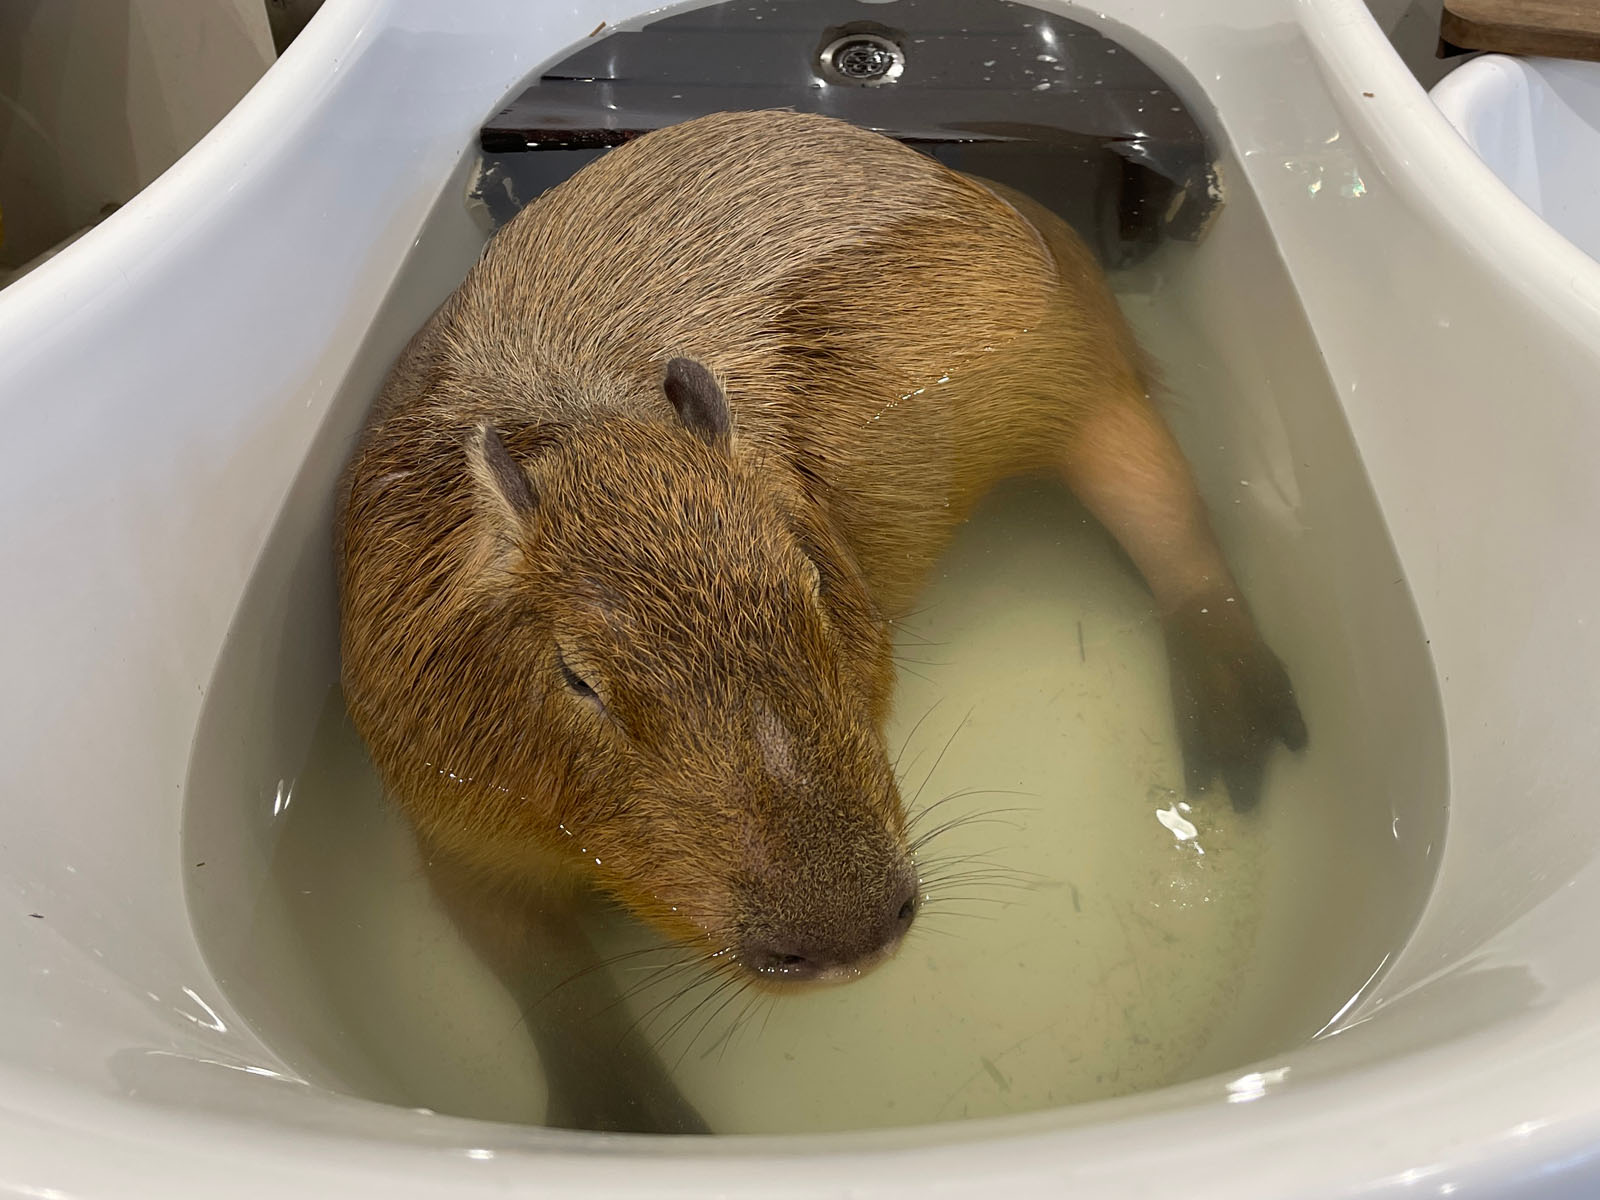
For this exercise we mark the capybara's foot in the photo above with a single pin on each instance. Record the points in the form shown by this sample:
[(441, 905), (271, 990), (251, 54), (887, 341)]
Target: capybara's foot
[(1231, 697)]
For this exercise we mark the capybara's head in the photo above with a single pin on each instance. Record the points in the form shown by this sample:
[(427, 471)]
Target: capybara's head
[(636, 650)]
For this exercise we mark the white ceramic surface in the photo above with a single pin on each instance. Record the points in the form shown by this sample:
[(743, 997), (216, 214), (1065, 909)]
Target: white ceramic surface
[(1536, 123), (164, 379)]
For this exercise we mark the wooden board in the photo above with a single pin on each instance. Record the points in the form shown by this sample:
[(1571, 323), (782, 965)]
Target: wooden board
[(1557, 28)]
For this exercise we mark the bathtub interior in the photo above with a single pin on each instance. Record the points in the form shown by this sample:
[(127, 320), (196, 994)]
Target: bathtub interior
[(1356, 825), (115, 1002)]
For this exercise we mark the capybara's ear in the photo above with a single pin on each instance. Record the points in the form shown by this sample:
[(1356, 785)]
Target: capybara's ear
[(698, 399), (503, 483)]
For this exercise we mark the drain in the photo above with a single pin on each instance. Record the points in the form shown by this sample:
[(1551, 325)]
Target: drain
[(863, 58)]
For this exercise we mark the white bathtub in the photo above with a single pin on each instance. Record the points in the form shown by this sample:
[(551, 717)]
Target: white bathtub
[(168, 380), (1535, 122)]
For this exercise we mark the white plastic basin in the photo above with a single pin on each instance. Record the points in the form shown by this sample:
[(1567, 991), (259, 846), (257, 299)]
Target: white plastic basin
[(1535, 122), (168, 389)]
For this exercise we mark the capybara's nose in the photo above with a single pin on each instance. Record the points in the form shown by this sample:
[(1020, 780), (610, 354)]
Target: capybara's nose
[(902, 911), (838, 949)]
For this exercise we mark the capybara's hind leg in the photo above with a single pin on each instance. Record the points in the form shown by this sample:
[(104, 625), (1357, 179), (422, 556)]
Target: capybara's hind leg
[(1231, 696)]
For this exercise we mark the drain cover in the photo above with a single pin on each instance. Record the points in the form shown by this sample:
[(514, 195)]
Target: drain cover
[(863, 58)]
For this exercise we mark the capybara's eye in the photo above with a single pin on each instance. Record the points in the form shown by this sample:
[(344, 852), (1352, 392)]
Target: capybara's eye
[(577, 684)]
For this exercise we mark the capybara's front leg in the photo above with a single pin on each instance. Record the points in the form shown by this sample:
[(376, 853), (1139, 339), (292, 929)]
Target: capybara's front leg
[(600, 1071)]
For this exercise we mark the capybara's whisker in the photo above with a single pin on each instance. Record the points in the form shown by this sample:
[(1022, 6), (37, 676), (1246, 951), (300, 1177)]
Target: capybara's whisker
[(723, 986), (744, 985), (922, 814), (608, 963), (911, 736), (960, 725), (987, 816), (660, 1007)]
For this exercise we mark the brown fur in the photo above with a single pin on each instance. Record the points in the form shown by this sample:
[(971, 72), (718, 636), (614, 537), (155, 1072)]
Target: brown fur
[(892, 339)]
